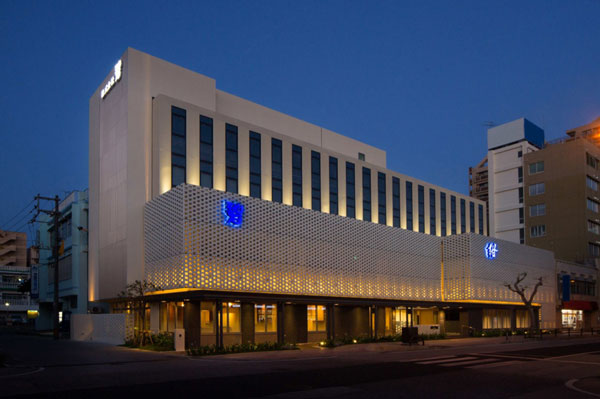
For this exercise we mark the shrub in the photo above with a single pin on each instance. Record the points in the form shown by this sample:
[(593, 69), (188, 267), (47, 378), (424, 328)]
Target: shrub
[(237, 348)]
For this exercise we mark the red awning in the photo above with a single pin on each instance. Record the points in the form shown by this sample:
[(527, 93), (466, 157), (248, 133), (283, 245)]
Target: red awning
[(580, 305)]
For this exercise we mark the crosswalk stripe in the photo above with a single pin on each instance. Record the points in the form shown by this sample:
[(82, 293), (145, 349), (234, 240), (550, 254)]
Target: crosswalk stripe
[(498, 364), (487, 360), (456, 359)]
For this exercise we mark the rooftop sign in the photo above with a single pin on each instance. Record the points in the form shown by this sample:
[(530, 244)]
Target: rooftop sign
[(118, 71)]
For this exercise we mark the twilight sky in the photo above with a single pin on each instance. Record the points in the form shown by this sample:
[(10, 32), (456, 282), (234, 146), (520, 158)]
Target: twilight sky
[(416, 78)]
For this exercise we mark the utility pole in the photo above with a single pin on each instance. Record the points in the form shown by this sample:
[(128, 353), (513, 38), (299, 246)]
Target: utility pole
[(55, 252)]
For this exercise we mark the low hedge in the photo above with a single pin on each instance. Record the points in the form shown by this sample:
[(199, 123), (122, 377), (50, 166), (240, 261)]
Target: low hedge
[(215, 350)]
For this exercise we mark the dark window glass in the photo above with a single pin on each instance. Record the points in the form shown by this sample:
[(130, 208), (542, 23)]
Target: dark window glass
[(432, 226), (396, 201), (421, 193), (480, 211), (366, 175), (381, 198), (520, 173), (333, 185), (255, 169), (520, 195), (296, 175), (443, 213), (521, 215), (463, 216), (409, 206), (521, 236), (472, 217), (315, 180), (350, 191), (452, 214), (276, 171), (231, 158), (206, 152), (178, 150)]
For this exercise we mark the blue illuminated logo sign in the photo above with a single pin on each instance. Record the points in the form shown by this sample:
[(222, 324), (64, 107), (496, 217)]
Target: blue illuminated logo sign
[(233, 213), (491, 250)]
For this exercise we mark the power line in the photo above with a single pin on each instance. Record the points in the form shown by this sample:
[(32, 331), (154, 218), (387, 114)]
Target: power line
[(17, 214), (19, 221)]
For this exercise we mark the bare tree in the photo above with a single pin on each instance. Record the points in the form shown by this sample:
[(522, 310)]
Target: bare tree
[(134, 298), (520, 290)]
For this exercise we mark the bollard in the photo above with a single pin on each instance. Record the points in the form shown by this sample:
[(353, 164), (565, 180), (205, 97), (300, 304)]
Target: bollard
[(556, 332), (581, 332), (569, 331)]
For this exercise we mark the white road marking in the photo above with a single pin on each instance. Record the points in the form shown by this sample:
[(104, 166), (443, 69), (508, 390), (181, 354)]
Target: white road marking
[(456, 359), (487, 360), (22, 374), (571, 385), (498, 364), (427, 358)]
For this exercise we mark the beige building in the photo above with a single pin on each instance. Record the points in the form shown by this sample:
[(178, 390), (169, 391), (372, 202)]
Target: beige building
[(13, 272), (13, 248)]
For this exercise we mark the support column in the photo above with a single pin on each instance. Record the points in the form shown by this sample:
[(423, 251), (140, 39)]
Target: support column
[(247, 323), (219, 320), (513, 319), (191, 324), (280, 323), (330, 322)]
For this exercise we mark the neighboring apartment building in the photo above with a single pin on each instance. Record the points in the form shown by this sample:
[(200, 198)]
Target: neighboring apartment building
[(554, 204), (507, 144), (73, 260), (13, 272), (258, 226)]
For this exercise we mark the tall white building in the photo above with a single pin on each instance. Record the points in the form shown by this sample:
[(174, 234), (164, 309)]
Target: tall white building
[(506, 145)]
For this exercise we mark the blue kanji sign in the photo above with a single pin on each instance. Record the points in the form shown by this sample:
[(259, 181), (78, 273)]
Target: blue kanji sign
[(233, 213), (491, 250)]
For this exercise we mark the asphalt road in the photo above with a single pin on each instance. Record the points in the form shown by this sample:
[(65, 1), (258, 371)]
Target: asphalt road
[(472, 368)]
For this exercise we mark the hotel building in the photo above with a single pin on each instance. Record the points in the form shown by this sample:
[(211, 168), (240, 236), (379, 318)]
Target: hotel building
[(258, 226)]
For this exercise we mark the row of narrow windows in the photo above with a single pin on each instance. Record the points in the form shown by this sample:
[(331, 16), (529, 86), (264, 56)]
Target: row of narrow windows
[(178, 176)]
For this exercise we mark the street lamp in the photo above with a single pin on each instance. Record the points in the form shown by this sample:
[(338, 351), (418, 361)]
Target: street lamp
[(7, 304)]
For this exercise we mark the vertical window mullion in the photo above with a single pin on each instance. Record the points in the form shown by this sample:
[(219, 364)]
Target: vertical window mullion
[(366, 175), (381, 198), (296, 175), (315, 181), (276, 171), (231, 158), (333, 186), (255, 167), (206, 151), (178, 146), (350, 190)]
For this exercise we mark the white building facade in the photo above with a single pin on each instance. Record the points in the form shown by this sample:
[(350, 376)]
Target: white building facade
[(230, 207)]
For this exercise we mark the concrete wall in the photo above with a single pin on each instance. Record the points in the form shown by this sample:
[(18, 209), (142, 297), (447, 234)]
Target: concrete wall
[(105, 328)]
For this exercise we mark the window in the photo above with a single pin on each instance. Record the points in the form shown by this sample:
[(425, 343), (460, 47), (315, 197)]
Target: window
[(537, 189), (409, 206), (381, 200), (452, 214), (592, 205), (443, 213), (432, 211), (333, 185), (594, 250), (521, 215), (366, 176), (265, 318), (296, 175), (64, 228), (276, 171), (350, 191), (316, 317), (232, 316), (361, 156), (231, 158), (207, 317), (591, 161), (582, 287), (591, 183), (480, 213), (178, 150), (463, 216), (537, 210), (536, 167), (396, 201), (255, 168), (472, 217), (315, 180), (520, 174), (521, 236), (519, 154), (593, 227), (520, 195), (538, 231), (421, 198), (206, 151)]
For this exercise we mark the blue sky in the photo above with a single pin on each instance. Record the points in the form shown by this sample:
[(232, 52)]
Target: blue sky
[(418, 79)]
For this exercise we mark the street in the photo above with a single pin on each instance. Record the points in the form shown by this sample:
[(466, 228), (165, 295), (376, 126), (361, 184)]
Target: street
[(476, 368)]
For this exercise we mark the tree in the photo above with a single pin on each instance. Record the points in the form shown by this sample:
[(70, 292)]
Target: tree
[(134, 298), (520, 290)]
